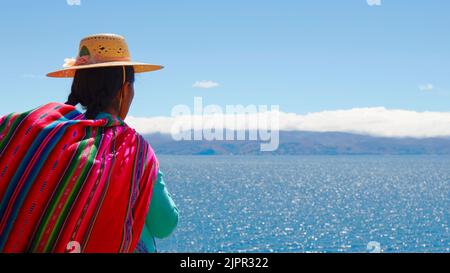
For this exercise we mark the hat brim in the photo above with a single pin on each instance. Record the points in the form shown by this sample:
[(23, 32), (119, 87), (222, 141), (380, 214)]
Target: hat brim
[(70, 71)]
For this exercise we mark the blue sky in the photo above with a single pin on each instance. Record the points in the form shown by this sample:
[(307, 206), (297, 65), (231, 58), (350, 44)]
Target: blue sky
[(305, 56)]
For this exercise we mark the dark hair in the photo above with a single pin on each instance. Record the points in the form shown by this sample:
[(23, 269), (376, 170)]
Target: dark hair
[(96, 88)]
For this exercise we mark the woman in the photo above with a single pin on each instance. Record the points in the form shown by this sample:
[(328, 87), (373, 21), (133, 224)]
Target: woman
[(74, 182)]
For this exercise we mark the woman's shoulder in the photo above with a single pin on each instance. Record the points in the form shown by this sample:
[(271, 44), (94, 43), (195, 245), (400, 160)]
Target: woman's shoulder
[(42, 115), (54, 107), (137, 146), (136, 139), (53, 111)]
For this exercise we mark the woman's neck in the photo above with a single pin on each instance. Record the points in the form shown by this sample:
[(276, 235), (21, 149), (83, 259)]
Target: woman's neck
[(112, 111)]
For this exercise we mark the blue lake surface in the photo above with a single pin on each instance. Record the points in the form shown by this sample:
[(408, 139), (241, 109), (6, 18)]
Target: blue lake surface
[(309, 203)]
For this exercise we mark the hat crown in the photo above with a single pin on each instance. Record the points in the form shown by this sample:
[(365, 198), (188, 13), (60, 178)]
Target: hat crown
[(101, 48)]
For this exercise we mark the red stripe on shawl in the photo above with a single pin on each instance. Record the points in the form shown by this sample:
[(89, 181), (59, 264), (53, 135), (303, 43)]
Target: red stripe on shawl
[(41, 191), (66, 193), (108, 225), (95, 185), (17, 148)]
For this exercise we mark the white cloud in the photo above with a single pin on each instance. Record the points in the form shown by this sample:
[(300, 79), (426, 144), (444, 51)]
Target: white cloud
[(205, 84), (377, 121), (426, 87), (73, 2), (374, 2)]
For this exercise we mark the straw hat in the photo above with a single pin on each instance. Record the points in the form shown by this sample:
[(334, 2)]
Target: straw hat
[(102, 50)]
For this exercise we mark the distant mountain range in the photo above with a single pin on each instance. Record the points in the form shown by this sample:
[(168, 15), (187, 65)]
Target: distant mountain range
[(306, 143)]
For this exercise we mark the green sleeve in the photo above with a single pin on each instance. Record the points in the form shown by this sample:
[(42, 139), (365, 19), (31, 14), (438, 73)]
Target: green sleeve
[(162, 218)]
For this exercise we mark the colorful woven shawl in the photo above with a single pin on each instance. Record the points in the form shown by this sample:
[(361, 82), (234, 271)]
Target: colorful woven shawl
[(72, 184)]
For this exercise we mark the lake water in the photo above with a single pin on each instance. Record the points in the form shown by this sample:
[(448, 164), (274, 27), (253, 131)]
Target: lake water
[(309, 203)]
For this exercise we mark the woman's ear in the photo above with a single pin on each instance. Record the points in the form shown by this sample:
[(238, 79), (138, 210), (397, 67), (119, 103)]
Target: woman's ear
[(129, 92), (125, 98)]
